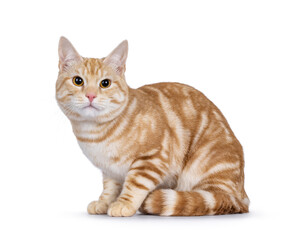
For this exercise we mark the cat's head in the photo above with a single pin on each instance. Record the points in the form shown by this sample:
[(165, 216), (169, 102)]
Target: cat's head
[(89, 88)]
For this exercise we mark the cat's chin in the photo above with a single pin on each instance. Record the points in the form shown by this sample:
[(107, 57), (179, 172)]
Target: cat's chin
[(91, 111)]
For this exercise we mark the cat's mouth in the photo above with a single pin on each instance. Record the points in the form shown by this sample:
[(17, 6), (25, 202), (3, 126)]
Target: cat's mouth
[(91, 106)]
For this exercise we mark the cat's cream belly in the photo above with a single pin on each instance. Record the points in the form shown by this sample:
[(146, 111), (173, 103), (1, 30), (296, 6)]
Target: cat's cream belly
[(101, 156)]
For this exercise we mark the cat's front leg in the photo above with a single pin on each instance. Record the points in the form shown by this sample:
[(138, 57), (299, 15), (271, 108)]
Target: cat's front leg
[(142, 178), (111, 190)]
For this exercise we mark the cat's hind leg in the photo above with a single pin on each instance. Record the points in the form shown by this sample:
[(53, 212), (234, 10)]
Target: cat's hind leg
[(219, 191)]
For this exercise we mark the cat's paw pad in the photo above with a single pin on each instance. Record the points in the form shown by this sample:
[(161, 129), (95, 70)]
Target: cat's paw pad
[(97, 207), (121, 209)]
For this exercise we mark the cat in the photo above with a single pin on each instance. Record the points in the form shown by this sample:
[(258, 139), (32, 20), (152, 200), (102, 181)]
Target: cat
[(163, 149)]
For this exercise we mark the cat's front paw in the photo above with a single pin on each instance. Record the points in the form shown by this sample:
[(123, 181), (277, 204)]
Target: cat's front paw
[(97, 207), (121, 209)]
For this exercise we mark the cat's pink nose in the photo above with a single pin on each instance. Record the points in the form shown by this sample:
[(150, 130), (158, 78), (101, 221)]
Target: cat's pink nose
[(90, 96)]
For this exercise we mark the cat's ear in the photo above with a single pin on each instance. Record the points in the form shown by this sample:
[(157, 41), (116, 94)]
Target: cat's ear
[(67, 54), (117, 58)]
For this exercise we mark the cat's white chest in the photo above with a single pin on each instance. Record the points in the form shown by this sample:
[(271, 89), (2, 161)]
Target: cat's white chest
[(101, 156)]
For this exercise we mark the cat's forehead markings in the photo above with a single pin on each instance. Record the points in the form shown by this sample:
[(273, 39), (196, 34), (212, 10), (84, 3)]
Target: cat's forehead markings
[(92, 66)]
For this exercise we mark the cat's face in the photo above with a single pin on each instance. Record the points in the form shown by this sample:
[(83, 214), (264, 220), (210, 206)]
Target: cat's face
[(89, 88)]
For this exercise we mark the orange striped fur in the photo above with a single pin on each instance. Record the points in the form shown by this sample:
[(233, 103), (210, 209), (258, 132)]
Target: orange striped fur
[(163, 148)]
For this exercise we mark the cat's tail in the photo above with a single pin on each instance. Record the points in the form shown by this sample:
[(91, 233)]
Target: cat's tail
[(168, 202)]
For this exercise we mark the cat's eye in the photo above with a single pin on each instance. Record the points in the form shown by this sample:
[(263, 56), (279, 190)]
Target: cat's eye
[(105, 83), (77, 81)]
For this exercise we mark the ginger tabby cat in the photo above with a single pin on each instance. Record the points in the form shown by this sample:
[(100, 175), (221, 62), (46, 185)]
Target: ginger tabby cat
[(163, 148)]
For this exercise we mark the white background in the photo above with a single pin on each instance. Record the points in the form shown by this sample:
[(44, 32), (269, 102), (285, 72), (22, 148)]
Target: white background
[(244, 55)]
